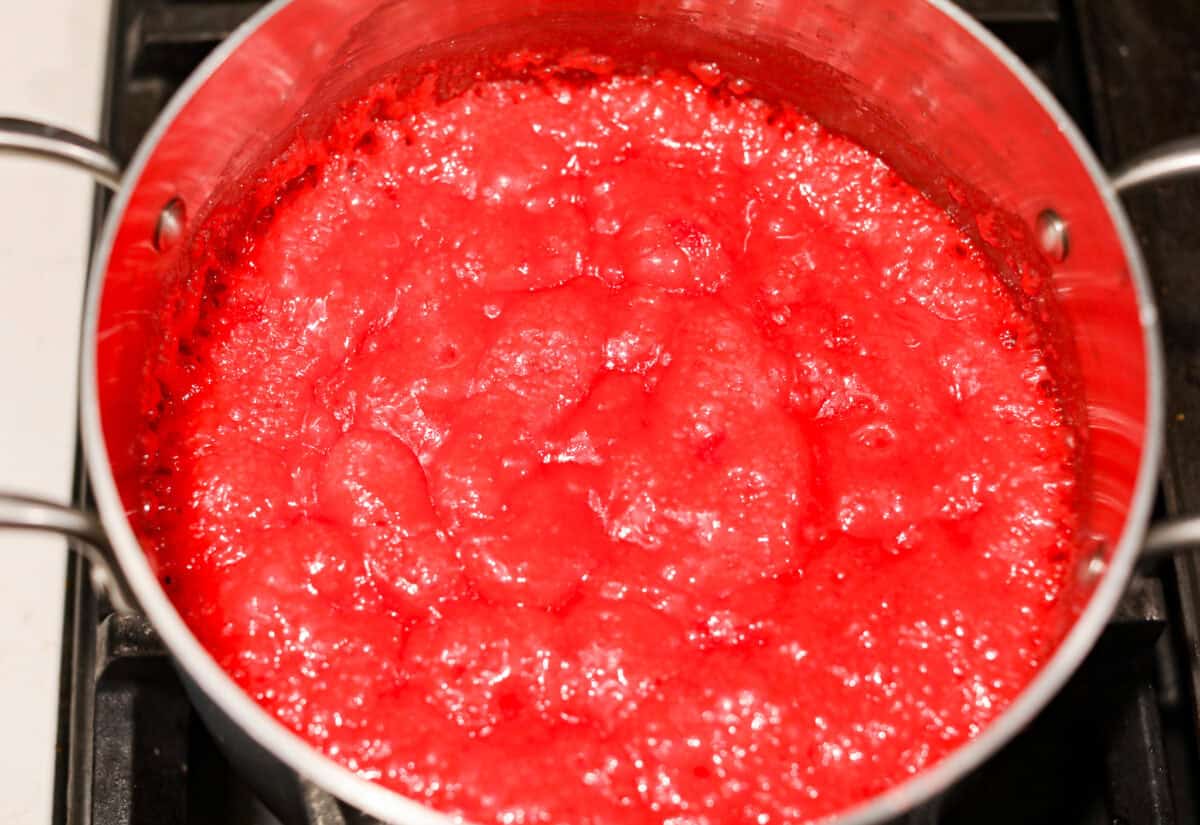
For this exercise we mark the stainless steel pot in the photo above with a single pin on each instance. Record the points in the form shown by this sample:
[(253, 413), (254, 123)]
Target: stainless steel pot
[(918, 82)]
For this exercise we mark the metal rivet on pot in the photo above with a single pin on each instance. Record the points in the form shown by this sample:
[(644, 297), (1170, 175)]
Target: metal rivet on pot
[(1052, 235), (169, 228)]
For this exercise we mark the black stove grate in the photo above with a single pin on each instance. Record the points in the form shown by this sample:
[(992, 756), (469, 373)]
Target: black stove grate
[(1119, 746)]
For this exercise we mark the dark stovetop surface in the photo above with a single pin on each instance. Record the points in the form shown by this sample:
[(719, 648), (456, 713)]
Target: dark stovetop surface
[(1119, 746)]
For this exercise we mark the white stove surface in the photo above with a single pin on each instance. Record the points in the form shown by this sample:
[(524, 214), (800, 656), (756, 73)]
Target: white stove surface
[(51, 68)]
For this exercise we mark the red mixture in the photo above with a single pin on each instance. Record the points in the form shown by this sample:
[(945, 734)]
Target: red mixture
[(620, 450)]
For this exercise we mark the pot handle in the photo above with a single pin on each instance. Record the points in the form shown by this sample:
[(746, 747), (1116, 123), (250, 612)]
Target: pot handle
[(1170, 160), (88, 539), (24, 512), (41, 140)]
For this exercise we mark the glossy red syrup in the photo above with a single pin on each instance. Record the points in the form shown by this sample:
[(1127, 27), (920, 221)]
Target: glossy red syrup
[(620, 450)]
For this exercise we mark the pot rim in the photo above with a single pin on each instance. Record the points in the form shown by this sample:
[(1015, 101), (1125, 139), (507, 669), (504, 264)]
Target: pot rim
[(389, 805)]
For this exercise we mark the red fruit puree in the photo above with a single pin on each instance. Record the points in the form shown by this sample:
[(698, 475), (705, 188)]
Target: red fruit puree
[(622, 449)]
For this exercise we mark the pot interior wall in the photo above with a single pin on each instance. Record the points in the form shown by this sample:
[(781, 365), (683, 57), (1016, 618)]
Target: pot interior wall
[(900, 77)]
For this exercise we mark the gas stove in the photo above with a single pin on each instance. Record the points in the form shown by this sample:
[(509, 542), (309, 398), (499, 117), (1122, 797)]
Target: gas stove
[(1119, 746)]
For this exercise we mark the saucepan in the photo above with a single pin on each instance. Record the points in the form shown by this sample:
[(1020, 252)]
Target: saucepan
[(918, 82)]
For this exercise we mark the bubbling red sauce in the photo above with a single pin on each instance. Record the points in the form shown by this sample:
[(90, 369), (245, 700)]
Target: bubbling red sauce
[(609, 449)]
